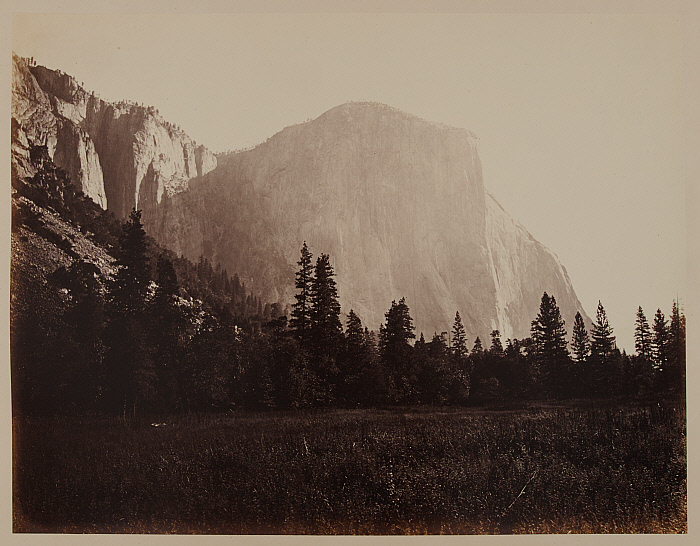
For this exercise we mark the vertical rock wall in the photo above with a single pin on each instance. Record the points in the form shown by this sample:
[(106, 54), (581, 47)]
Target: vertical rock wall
[(121, 155)]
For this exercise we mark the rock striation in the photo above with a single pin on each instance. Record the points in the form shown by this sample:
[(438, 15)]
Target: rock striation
[(398, 202)]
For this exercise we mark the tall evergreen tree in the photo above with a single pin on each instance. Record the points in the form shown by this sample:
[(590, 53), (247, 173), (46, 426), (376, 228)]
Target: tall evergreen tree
[(129, 365), (606, 368), (80, 347), (660, 341), (642, 335), (603, 343), (459, 338), (550, 346), (170, 324), (130, 285), (432, 371), (676, 352), (395, 348), (300, 322), (325, 328), (496, 345), (580, 343), (352, 362), (361, 379)]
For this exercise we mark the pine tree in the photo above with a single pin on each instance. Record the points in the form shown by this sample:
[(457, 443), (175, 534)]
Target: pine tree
[(605, 371), (359, 378), (130, 286), (325, 333), (660, 341), (459, 338), (129, 365), (496, 345), (300, 322), (354, 335), (395, 348), (676, 352), (580, 343), (642, 335), (477, 348), (603, 343), (431, 367), (325, 327), (169, 340), (549, 340)]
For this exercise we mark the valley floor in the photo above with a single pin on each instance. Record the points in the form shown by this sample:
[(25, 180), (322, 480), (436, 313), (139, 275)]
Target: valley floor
[(415, 471)]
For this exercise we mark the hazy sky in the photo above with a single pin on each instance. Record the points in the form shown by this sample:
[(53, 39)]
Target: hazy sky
[(580, 117)]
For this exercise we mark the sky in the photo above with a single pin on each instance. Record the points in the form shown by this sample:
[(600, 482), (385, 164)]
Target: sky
[(580, 117)]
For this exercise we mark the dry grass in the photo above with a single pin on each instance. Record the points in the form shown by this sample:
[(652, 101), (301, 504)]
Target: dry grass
[(357, 472)]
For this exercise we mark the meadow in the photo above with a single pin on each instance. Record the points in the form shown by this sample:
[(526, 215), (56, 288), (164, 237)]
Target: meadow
[(546, 469)]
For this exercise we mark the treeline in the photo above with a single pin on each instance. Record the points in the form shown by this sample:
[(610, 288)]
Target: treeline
[(163, 335), (358, 368)]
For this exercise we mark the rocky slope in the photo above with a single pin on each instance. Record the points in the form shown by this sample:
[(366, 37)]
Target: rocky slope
[(398, 203)]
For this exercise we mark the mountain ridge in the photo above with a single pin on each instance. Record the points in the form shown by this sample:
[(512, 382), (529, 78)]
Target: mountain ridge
[(397, 201)]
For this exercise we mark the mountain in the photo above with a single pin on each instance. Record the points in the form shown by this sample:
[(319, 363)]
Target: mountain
[(121, 155), (398, 202)]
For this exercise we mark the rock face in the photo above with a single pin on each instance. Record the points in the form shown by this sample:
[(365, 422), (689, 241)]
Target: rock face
[(121, 155), (398, 203)]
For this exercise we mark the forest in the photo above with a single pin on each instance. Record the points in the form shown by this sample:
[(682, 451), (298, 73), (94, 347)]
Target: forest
[(161, 335)]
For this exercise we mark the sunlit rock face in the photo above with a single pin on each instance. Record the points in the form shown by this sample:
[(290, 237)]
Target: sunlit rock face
[(398, 202), (121, 155)]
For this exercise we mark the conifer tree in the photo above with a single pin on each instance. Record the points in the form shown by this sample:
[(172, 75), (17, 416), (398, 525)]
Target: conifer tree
[(549, 343), (496, 345), (325, 328), (395, 346), (676, 352), (660, 341), (603, 343), (459, 338), (432, 371), (169, 339), (300, 322), (361, 381), (580, 343), (606, 362), (130, 286), (354, 335), (477, 348), (353, 361), (325, 332), (642, 335), (129, 365)]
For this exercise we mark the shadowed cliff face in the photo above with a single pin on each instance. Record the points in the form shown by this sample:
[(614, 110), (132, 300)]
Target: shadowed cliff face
[(397, 202)]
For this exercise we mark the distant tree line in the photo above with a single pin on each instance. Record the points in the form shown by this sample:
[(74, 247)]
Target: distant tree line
[(164, 335)]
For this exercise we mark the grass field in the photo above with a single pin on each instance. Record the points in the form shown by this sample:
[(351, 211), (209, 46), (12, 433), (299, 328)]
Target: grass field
[(467, 471)]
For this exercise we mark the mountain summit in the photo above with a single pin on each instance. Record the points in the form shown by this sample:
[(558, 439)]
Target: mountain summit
[(398, 202)]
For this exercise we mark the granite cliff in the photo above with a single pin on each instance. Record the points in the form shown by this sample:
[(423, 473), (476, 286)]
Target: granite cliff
[(121, 155), (398, 202)]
